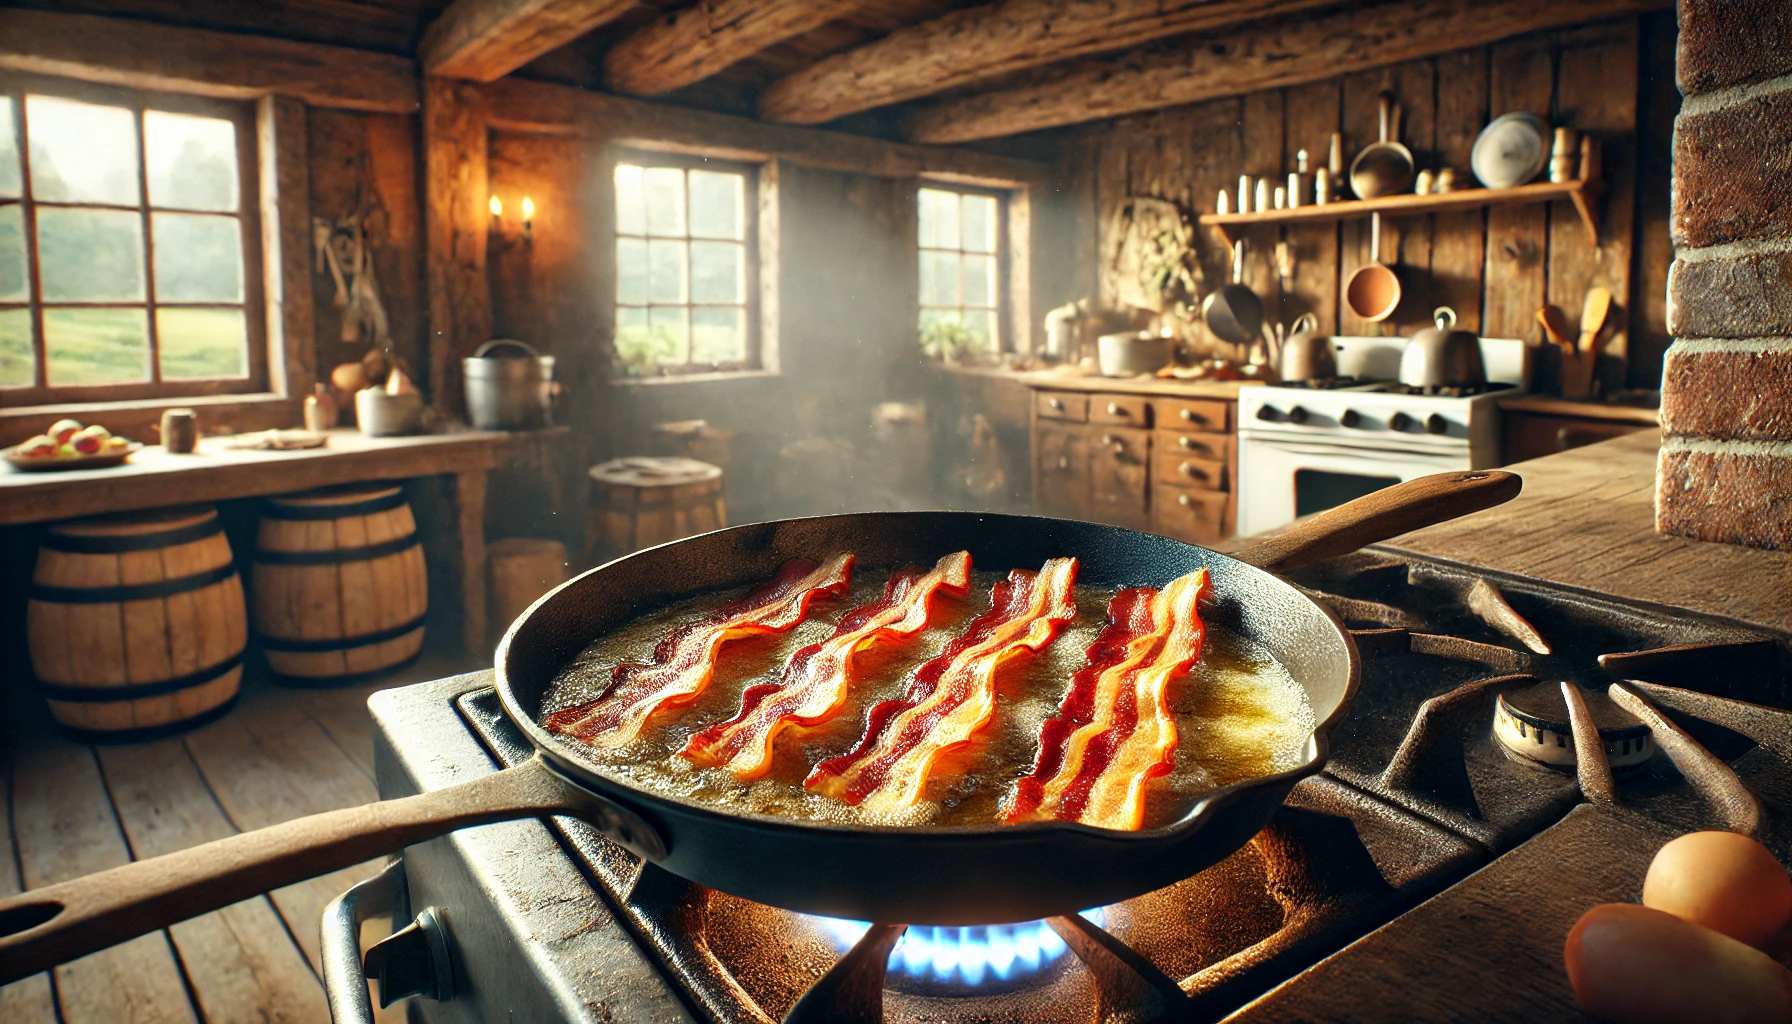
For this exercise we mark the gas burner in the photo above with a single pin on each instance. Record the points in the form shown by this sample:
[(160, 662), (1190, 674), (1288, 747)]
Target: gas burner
[(1327, 383), (1532, 726), (1447, 391), (947, 961)]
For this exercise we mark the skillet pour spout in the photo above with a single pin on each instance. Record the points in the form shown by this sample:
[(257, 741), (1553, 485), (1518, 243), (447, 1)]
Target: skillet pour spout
[(962, 875)]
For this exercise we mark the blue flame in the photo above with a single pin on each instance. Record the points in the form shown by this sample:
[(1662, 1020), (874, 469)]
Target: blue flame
[(966, 956)]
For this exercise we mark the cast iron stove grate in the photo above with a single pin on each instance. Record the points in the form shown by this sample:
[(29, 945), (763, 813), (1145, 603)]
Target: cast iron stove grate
[(1419, 794)]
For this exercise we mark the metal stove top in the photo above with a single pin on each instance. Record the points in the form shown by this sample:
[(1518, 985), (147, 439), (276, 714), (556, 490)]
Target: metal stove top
[(1430, 873)]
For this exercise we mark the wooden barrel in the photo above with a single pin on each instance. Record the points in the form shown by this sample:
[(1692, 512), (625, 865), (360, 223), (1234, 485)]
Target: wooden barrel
[(521, 570), (639, 502), (136, 623), (340, 591)]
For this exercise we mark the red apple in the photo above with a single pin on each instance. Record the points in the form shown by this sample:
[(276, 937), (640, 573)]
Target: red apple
[(62, 430), (95, 431), (39, 446), (88, 444)]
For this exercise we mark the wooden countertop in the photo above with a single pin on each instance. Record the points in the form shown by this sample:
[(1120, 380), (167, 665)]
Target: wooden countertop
[(155, 478), (1142, 385), (1586, 519), (1548, 406)]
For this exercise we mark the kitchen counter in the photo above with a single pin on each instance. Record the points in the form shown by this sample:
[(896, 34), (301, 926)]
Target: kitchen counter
[(1586, 519), (1548, 405), (1064, 380)]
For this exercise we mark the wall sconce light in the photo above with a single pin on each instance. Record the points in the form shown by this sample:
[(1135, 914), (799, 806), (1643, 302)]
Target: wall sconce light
[(497, 207), (498, 239), (528, 220)]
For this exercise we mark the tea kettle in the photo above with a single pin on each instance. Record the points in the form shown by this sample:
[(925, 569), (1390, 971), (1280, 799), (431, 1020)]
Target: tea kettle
[(1441, 356), (1307, 352)]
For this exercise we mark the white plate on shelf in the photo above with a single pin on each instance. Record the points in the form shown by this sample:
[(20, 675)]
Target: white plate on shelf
[(1511, 150)]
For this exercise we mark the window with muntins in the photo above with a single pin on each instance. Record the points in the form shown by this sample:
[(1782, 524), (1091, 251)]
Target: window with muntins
[(686, 273), (127, 267), (961, 268)]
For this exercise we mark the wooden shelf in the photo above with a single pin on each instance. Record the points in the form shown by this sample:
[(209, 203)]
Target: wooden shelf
[(1581, 193)]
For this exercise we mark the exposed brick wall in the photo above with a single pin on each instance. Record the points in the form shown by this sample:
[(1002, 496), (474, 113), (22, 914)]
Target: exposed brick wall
[(1726, 458)]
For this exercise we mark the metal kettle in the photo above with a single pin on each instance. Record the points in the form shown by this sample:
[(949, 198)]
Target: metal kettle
[(1441, 356), (1307, 352)]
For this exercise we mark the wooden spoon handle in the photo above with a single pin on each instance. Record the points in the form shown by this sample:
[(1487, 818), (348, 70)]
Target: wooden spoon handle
[(57, 923), (1387, 513)]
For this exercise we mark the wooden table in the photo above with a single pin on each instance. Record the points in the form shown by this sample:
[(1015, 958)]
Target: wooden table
[(1586, 519), (155, 478)]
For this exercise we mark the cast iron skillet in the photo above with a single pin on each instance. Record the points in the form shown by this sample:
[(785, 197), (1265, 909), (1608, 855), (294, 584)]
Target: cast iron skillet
[(959, 875)]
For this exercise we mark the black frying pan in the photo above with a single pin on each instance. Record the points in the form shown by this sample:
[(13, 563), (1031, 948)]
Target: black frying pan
[(958, 875)]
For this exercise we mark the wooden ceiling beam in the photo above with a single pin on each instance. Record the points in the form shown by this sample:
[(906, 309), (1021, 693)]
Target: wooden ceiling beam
[(484, 40), (1250, 59), (979, 43), (689, 45)]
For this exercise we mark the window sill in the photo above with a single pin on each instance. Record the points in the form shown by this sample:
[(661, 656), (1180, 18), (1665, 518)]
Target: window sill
[(693, 378), (140, 417)]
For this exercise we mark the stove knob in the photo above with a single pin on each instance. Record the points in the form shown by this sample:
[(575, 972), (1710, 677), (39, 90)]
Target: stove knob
[(1400, 421), (1268, 412), (1297, 415), (1436, 424), (1352, 418)]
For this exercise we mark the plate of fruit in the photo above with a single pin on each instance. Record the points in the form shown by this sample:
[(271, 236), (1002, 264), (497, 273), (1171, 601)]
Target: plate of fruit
[(71, 445)]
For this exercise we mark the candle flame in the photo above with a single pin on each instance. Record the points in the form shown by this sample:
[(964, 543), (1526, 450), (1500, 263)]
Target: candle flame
[(528, 208), (497, 206)]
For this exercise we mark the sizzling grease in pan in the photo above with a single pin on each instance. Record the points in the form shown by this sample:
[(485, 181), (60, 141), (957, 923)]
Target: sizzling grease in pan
[(1239, 714)]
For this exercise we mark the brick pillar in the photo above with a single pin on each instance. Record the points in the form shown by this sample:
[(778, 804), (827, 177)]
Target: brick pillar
[(1726, 403)]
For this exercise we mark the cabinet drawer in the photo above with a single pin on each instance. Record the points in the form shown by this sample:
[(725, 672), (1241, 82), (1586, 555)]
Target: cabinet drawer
[(1061, 405), (1120, 410), (1198, 517), (1118, 457), (1178, 470), (1194, 414), (1217, 447), (1061, 472)]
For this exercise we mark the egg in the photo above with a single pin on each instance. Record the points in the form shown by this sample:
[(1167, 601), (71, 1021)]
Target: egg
[(1637, 965), (1724, 881)]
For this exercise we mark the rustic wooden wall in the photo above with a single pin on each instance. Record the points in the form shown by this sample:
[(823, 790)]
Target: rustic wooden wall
[(1494, 267)]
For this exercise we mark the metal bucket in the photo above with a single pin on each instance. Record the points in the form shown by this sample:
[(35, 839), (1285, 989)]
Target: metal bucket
[(509, 386)]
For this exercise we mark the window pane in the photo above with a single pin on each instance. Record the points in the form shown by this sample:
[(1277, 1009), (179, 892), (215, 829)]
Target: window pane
[(666, 264), (719, 335), (979, 223), (939, 218), (192, 161), (717, 272), (198, 258), (202, 343), (631, 271), (89, 255), (13, 276), (16, 362), (933, 319), (979, 280), (631, 211), (82, 153), (981, 324), (671, 331), (9, 149), (664, 189), (636, 347), (97, 346), (716, 204), (939, 278)]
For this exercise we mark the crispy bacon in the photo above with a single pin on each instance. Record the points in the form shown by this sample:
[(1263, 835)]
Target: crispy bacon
[(953, 696), (817, 678), (1113, 730), (684, 661)]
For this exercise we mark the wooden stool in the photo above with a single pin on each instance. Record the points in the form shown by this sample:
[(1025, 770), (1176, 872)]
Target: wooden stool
[(519, 570), (339, 583), (695, 439), (136, 623), (640, 502)]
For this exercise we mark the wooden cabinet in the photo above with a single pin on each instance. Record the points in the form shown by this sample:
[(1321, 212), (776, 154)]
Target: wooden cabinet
[(1538, 430), (1143, 461)]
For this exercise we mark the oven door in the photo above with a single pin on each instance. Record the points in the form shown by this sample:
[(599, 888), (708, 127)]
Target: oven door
[(1282, 479)]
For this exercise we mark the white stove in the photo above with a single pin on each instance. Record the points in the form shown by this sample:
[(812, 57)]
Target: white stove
[(1302, 449)]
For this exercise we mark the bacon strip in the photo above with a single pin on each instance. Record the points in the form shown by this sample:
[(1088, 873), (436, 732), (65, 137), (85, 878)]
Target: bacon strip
[(1113, 731), (952, 697), (817, 678), (685, 660)]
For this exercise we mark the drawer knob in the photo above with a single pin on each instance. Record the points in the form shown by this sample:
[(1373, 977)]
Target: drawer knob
[(1191, 416), (1184, 500), (1192, 444), (1115, 410), (1063, 462), (1190, 469), (1056, 403)]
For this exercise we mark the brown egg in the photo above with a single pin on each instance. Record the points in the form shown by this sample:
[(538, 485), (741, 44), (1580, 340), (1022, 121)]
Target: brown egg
[(350, 377), (1635, 965), (1724, 881)]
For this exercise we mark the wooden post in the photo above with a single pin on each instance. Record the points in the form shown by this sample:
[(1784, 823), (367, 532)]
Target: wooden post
[(457, 189), (469, 505), (281, 143)]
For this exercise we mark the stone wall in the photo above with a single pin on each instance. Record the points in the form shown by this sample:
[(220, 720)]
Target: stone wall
[(1726, 457)]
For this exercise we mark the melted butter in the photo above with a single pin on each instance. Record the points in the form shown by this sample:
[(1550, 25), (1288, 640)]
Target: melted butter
[(1239, 715)]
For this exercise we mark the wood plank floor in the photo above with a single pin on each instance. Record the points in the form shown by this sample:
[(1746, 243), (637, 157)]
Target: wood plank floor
[(72, 809)]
